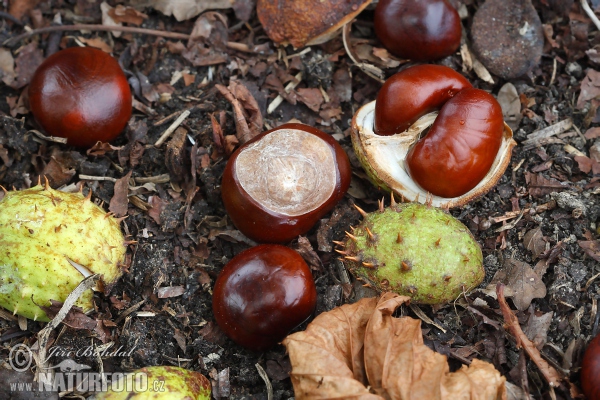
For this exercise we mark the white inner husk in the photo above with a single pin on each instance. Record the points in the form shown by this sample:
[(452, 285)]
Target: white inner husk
[(387, 154)]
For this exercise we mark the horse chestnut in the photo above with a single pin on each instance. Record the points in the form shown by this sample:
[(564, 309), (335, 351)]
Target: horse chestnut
[(590, 370), (279, 184), (262, 294), (460, 147), (412, 93), (461, 157), (80, 94), (420, 30)]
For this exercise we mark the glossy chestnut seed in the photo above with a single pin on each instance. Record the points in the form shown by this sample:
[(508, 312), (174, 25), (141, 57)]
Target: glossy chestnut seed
[(262, 294), (279, 184), (411, 93), (420, 30), (460, 148), (590, 370), (80, 94)]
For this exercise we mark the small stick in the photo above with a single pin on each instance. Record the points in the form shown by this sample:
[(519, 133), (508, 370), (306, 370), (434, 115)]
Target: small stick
[(172, 128), (278, 100), (96, 27), (590, 13)]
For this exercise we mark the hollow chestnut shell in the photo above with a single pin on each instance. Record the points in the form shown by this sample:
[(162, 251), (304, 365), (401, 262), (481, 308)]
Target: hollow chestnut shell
[(411, 93), (262, 294), (279, 184), (420, 30), (590, 370), (80, 94), (460, 148)]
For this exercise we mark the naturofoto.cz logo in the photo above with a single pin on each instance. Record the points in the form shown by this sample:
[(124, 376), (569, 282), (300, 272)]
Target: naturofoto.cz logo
[(68, 375)]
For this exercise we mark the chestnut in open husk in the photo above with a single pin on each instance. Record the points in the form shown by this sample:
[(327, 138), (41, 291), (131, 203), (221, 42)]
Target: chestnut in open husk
[(461, 157)]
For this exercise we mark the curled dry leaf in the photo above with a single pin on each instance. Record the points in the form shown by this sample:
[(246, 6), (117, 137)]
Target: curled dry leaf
[(522, 283), (306, 22), (360, 351)]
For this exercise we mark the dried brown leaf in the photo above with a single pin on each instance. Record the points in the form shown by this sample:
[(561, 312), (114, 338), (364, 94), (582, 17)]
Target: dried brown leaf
[(539, 186), (128, 15), (119, 201), (590, 88), (534, 242), (522, 283), (360, 351), (30, 57), (591, 248), (183, 9)]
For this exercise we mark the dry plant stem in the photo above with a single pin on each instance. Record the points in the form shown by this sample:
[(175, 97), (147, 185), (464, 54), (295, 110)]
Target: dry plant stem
[(590, 13), (172, 128), (512, 323), (288, 88), (368, 69), (95, 27)]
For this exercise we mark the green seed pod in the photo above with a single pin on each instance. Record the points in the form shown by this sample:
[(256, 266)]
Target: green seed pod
[(414, 250), (163, 383), (49, 242)]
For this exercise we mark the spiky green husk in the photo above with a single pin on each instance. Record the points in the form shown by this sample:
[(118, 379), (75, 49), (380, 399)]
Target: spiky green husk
[(164, 383), (415, 250), (40, 230)]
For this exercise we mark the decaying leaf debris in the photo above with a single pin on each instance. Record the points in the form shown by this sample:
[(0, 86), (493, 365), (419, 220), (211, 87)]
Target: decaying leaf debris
[(361, 351)]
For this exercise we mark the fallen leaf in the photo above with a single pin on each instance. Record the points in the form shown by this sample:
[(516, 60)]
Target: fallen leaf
[(522, 283), (305, 249), (534, 242), (590, 88), (166, 292), (96, 43), (107, 19), (509, 100), (119, 201), (360, 351), (30, 57), (7, 66), (18, 8), (539, 186), (208, 40), (183, 9), (312, 97), (128, 15), (247, 115), (591, 248), (537, 328), (592, 133)]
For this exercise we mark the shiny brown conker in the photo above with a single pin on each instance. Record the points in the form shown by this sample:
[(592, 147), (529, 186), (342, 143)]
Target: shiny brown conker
[(590, 370), (279, 184), (461, 145), (413, 92), (420, 30), (80, 94), (262, 294)]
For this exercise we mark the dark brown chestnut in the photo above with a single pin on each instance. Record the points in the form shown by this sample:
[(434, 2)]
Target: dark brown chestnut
[(262, 294), (590, 370), (81, 94), (420, 30), (279, 184), (460, 148), (411, 93)]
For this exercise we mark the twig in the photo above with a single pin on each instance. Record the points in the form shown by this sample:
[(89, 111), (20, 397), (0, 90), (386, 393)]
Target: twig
[(10, 17), (96, 27), (288, 88), (265, 377), (590, 13), (172, 128), (552, 376), (96, 178)]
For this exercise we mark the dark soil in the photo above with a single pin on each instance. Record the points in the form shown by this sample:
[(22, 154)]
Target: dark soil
[(184, 237)]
